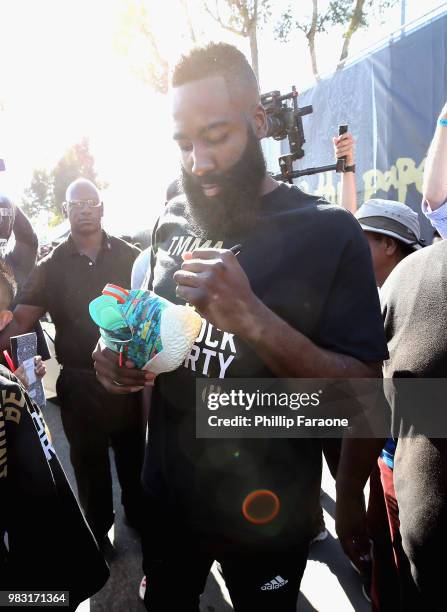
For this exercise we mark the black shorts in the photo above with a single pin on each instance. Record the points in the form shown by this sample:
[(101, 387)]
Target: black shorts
[(261, 583), (177, 561)]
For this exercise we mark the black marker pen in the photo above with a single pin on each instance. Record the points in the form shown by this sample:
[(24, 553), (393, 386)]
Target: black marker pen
[(236, 249)]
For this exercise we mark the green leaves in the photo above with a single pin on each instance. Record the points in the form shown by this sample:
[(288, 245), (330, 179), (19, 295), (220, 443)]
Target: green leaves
[(46, 191), (351, 14), (39, 196)]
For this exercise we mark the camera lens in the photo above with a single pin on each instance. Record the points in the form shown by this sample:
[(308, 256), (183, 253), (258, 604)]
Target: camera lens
[(275, 127)]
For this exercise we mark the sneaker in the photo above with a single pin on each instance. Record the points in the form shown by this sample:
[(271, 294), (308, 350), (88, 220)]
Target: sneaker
[(365, 574), (320, 537), (142, 588), (320, 531)]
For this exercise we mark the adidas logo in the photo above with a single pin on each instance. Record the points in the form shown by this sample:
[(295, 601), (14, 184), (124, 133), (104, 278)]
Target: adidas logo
[(273, 584)]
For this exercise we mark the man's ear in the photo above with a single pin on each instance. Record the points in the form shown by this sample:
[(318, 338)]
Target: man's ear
[(259, 121), (390, 245), (65, 210), (5, 318)]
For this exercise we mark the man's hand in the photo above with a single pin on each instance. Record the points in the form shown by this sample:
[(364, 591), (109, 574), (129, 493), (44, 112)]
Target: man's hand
[(350, 525), (39, 370), (344, 146), (39, 367), (213, 281), (116, 379)]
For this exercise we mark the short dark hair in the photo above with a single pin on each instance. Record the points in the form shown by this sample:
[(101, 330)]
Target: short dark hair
[(8, 286), (216, 59), (405, 249)]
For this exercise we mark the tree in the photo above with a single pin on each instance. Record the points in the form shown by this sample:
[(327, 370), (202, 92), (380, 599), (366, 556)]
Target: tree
[(142, 35), (140, 38), (352, 14), (185, 6), (241, 17), (356, 15), (138, 35), (310, 27), (77, 162), (46, 191), (39, 196)]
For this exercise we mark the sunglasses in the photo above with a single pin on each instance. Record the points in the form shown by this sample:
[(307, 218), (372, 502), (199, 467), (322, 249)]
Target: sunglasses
[(77, 204)]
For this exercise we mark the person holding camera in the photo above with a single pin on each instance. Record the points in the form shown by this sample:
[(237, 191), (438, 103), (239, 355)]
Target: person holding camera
[(284, 307), (344, 147)]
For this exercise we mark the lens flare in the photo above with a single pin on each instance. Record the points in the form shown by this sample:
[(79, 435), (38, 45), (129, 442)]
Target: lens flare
[(261, 506)]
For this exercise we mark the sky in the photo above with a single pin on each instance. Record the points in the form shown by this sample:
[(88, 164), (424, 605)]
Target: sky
[(62, 77)]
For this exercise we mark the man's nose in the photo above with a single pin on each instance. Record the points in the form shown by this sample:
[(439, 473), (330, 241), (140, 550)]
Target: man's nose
[(86, 212), (202, 162)]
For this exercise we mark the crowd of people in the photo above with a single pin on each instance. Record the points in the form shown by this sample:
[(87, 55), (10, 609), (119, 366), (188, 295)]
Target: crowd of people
[(315, 291)]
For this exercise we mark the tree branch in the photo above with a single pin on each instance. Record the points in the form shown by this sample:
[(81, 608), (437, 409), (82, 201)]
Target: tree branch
[(311, 39), (219, 20), (192, 33), (354, 24)]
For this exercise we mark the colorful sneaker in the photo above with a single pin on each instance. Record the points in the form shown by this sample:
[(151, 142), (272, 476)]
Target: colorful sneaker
[(143, 327)]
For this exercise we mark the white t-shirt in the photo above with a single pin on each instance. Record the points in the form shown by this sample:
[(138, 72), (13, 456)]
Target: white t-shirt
[(139, 269)]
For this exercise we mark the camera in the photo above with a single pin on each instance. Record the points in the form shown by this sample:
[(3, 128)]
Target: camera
[(284, 119)]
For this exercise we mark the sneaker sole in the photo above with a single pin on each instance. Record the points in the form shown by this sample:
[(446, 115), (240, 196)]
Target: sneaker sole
[(364, 591)]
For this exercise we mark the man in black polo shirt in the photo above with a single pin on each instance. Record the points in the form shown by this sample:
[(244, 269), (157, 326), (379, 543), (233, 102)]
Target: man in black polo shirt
[(63, 284)]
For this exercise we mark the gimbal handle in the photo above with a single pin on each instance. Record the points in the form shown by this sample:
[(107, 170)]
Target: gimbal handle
[(288, 173)]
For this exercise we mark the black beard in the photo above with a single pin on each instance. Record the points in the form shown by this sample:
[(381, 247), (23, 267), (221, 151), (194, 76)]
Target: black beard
[(234, 210)]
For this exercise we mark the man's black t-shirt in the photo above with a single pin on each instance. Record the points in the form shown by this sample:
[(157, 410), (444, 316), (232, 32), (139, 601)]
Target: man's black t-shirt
[(309, 262), (65, 282)]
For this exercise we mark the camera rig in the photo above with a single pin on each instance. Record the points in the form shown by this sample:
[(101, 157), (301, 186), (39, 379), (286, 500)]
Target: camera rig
[(284, 120)]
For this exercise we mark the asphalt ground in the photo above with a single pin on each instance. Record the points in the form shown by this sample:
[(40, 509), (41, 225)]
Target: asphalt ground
[(329, 583)]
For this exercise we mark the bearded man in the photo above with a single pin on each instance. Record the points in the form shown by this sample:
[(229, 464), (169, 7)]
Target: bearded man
[(299, 301)]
